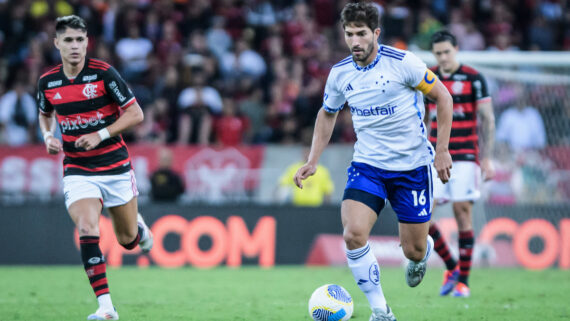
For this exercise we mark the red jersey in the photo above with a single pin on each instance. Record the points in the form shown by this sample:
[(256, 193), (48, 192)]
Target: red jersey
[(89, 102), (467, 88)]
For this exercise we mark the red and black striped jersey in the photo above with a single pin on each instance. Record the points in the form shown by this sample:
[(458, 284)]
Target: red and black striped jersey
[(91, 101), (467, 88)]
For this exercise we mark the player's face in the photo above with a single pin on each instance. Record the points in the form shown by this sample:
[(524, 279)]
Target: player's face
[(362, 42), (72, 45), (444, 53)]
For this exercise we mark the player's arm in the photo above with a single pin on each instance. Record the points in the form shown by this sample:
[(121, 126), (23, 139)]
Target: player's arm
[(487, 136), (47, 121), (333, 102), (47, 126), (324, 126), (436, 91), (132, 114)]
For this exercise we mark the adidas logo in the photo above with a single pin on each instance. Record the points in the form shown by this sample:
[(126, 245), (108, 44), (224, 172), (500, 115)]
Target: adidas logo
[(361, 281), (349, 87), (57, 96), (423, 213)]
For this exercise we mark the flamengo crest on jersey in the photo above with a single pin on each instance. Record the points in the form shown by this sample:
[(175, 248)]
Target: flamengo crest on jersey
[(387, 110)]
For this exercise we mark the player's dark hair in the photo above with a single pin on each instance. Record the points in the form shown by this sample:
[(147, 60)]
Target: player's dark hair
[(72, 21), (360, 14), (442, 36)]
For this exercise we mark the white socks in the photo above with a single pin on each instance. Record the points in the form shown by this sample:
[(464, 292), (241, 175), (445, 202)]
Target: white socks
[(366, 273), (105, 302), (429, 248)]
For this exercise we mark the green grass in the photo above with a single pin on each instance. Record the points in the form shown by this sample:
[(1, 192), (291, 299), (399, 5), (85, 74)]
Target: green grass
[(281, 293)]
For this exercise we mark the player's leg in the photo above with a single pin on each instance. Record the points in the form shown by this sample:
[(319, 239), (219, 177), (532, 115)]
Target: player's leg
[(441, 195), (357, 221), (410, 194), (130, 228), (463, 215), (120, 195), (441, 247), (451, 274), (362, 202), (83, 202), (417, 246), (465, 192)]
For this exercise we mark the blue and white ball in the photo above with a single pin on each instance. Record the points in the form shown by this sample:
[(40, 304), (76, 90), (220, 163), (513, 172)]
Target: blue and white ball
[(330, 302)]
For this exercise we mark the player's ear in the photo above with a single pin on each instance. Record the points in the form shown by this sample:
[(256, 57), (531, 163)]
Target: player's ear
[(377, 32), (56, 42)]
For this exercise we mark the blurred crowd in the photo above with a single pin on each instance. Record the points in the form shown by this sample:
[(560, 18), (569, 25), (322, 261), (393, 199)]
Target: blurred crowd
[(231, 72)]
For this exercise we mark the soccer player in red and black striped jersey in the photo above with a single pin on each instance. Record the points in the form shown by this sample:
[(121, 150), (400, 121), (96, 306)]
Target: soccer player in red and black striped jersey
[(470, 101), (92, 105)]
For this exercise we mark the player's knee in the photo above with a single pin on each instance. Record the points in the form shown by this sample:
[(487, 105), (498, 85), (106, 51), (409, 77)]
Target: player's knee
[(87, 228), (126, 238), (354, 239), (414, 252)]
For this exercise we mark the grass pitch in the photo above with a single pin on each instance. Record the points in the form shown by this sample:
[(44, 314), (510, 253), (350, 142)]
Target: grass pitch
[(280, 293)]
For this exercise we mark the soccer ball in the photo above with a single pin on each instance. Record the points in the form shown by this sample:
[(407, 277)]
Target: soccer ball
[(330, 302)]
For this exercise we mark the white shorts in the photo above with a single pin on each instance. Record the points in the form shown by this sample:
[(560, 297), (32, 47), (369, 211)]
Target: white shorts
[(462, 186), (112, 190)]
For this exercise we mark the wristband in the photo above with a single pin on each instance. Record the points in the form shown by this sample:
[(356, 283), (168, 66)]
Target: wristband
[(104, 134), (47, 135)]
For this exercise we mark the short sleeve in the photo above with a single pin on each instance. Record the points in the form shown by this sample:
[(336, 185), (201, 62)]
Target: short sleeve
[(413, 70), (44, 105), (118, 89), (333, 99), (480, 88)]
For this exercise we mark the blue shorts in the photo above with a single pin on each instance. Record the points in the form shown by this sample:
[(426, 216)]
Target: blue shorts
[(410, 192)]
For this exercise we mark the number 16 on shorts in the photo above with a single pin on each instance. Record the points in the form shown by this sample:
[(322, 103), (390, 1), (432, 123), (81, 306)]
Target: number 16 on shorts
[(421, 200)]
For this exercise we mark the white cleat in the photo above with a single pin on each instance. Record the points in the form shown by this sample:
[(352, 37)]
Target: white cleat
[(147, 239), (101, 314), (380, 315), (415, 271)]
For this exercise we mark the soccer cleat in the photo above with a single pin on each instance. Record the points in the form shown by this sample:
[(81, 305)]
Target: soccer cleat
[(380, 315), (449, 281), (147, 239), (461, 290), (101, 314), (415, 271)]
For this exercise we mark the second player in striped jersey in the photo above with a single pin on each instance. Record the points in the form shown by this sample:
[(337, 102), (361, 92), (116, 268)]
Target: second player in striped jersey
[(471, 101)]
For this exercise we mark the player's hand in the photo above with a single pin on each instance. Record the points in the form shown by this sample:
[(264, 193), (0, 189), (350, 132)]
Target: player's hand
[(487, 169), (89, 141), (303, 173), (442, 163), (53, 145)]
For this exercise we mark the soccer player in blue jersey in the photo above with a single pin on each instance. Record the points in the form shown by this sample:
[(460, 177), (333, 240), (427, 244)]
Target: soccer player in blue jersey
[(392, 159)]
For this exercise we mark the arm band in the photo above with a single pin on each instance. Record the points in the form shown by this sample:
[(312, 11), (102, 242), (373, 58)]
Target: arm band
[(427, 83)]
